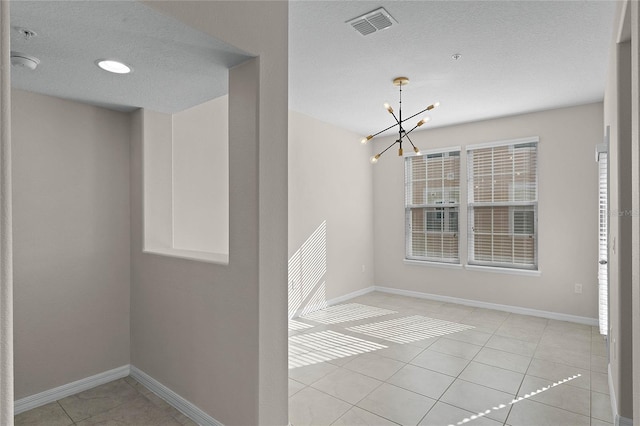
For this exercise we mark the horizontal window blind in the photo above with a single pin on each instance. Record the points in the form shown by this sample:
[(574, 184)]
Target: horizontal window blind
[(432, 202), (503, 205), (603, 244)]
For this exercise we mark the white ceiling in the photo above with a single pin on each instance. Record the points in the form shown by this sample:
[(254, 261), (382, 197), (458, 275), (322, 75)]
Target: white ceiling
[(517, 56), (174, 66)]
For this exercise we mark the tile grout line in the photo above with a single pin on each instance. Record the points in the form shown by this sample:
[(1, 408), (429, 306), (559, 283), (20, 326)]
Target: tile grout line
[(458, 376), (474, 357), (65, 412), (525, 375), (491, 334)]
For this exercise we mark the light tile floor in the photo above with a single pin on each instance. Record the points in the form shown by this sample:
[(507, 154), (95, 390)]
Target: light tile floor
[(432, 363), (121, 402), (388, 360)]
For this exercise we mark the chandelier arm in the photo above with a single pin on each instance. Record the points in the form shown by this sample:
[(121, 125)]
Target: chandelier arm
[(416, 114), (397, 121), (410, 141), (384, 130), (415, 127), (387, 148)]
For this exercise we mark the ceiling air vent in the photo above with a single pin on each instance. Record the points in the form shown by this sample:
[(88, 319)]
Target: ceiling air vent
[(373, 21)]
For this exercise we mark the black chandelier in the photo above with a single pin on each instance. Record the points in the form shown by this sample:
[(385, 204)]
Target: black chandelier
[(402, 134)]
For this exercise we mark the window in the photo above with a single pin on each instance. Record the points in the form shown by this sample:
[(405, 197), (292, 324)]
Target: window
[(432, 202), (441, 219), (503, 204)]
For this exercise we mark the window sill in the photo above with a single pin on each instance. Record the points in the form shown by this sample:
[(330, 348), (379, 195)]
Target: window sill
[(432, 263), (508, 271), (200, 256)]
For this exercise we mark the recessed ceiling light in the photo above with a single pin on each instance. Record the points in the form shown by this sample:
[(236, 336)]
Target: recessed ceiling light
[(113, 66)]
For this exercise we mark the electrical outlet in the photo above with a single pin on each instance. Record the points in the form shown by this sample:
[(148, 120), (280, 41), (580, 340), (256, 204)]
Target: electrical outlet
[(578, 289)]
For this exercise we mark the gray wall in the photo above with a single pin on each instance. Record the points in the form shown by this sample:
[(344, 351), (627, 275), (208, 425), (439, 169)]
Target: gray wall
[(330, 183), (567, 215), (217, 334), (71, 241)]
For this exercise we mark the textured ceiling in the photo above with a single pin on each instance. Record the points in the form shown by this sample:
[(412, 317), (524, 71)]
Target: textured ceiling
[(174, 66), (517, 56)]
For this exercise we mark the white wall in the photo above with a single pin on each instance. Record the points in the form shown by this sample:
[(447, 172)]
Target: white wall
[(71, 241), (201, 177), (617, 115), (217, 334), (567, 215), (186, 182), (6, 249), (330, 184), (158, 198)]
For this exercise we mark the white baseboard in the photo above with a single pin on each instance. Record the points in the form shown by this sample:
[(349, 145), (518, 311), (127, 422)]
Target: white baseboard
[(618, 420), (623, 421), (338, 299), (478, 304), (51, 395), (173, 399), (349, 296)]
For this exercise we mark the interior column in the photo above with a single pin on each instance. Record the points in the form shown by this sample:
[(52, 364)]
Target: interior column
[(6, 263)]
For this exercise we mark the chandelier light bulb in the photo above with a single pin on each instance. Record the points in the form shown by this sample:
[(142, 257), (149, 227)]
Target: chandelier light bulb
[(367, 139), (388, 107), (430, 107), (416, 150), (374, 159), (424, 120)]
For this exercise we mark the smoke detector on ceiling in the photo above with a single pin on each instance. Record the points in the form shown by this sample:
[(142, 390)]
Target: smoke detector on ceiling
[(24, 61), (373, 21)]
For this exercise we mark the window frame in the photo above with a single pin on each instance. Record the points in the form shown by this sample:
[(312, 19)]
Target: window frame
[(446, 209), (513, 205)]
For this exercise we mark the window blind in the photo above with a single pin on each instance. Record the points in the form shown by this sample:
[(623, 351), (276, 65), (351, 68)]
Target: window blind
[(603, 245), (432, 202), (503, 205)]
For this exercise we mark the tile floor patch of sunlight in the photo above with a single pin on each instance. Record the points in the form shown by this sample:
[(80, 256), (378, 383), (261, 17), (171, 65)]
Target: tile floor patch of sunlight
[(515, 401), (297, 325), (347, 312), (313, 348), (409, 329)]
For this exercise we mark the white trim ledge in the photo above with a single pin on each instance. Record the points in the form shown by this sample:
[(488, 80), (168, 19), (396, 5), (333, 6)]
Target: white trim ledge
[(173, 399), (508, 271), (51, 395), (429, 263), (618, 420), (199, 256), (487, 305)]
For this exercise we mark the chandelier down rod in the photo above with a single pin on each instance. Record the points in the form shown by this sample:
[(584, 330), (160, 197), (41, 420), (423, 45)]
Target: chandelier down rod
[(400, 81)]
